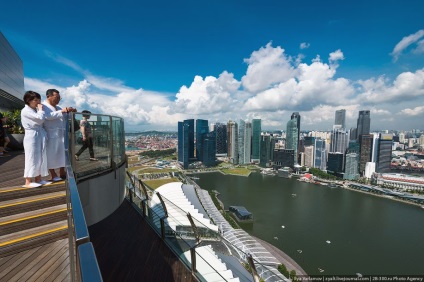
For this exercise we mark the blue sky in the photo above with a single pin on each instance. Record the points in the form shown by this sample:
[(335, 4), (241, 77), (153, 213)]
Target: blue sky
[(157, 62)]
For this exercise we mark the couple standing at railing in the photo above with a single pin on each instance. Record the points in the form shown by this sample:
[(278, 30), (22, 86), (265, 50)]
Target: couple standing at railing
[(44, 125)]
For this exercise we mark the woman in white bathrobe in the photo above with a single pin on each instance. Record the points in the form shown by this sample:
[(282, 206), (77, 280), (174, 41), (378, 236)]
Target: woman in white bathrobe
[(32, 118)]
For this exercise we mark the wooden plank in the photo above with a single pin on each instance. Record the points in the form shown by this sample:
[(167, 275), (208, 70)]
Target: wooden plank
[(15, 260), (22, 267), (54, 260), (26, 271), (34, 267)]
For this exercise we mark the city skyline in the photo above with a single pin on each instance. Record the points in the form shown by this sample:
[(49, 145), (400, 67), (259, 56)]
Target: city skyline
[(219, 62)]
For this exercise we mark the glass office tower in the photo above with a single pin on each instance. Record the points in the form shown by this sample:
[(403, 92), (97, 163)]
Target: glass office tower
[(11, 77), (202, 128), (256, 139)]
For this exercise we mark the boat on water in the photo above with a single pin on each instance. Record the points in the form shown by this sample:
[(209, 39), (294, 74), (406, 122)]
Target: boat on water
[(294, 195), (328, 241), (299, 251), (320, 269), (195, 178), (358, 274), (332, 185)]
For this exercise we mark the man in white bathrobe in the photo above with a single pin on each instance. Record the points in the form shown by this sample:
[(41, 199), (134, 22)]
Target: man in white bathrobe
[(54, 125)]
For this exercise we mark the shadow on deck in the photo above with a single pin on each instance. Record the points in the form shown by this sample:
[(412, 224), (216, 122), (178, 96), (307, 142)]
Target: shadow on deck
[(128, 249)]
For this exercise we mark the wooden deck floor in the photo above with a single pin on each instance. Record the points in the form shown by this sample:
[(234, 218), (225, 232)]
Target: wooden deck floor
[(46, 262), (49, 262)]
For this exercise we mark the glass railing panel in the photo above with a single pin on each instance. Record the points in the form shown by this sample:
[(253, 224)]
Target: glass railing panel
[(119, 140), (108, 138)]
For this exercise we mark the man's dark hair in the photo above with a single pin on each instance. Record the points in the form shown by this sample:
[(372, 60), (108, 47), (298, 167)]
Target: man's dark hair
[(86, 113), (31, 95), (50, 92)]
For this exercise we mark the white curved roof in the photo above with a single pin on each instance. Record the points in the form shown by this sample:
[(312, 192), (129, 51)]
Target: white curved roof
[(178, 206)]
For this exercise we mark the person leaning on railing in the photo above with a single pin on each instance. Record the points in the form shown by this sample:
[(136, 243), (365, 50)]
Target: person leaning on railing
[(87, 137)]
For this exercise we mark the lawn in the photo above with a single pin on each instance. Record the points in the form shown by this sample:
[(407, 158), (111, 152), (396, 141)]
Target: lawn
[(156, 183), (237, 171)]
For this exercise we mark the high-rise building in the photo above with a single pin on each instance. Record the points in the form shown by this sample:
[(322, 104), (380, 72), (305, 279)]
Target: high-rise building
[(340, 118), (351, 167), (244, 143), (283, 158), (402, 137), (363, 123), (232, 142), (221, 138), (292, 135), (209, 149), (335, 162), (256, 140), (353, 133), (185, 142), (202, 128), (339, 140), (365, 151), (296, 116), (11, 77), (384, 154), (320, 160), (267, 149), (309, 156)]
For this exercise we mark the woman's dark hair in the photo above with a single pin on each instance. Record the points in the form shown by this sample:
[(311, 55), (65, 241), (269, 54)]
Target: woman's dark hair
[(31, 95), (86, 113)]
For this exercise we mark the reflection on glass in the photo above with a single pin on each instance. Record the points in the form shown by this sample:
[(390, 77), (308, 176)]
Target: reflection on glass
[(108, 144)]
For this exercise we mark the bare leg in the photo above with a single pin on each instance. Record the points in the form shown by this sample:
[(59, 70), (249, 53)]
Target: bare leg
[(37, 178), (52, 173), (27, 181), (62, 173)]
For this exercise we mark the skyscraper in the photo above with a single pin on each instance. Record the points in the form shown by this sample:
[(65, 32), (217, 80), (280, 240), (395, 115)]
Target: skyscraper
[(363, 124), (309, 156), (335, 162), (339, 140), (11, 77), (320, 153), (221, 138), (384, 153), (365, 151), (267, 150), (232, 142), (244, 143), (292, 135), (340, 118), (202, 128), (351, 167), (185, 142), (256, 139), (296, 116), (209, 149)]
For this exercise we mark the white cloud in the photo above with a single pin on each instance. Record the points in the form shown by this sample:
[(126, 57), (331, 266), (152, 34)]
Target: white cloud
[(207, 96), (304, 45), (273, 87), (266, 67), (406, 42), (413, 112), (407, 86)]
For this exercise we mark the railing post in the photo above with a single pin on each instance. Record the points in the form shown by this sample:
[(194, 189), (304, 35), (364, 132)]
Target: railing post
[(194, 227), (253, 268), (162, 227), (143, 208), (193, 260)]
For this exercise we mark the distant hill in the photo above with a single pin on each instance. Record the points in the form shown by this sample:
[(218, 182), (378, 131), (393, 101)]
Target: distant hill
[(151, 132)]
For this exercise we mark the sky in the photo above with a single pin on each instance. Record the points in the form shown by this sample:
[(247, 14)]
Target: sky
[(158, 62)]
